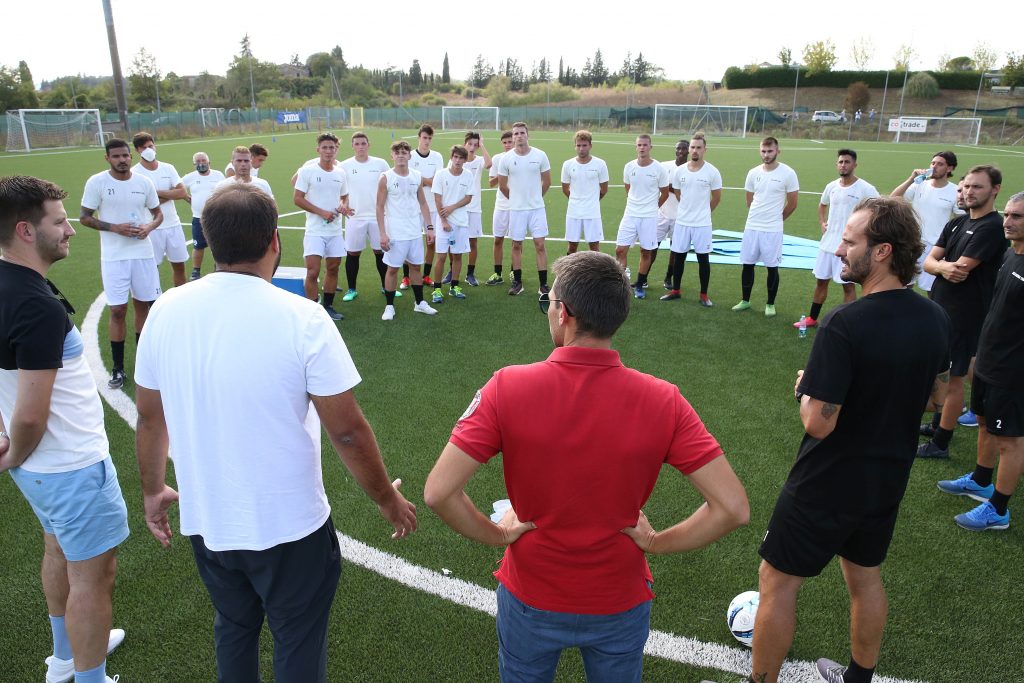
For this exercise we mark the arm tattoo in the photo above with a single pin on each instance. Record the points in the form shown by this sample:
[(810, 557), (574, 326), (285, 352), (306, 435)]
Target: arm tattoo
[(943, 378), (828, 410)]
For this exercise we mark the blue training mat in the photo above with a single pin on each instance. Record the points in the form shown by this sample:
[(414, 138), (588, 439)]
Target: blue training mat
[(797, 252)]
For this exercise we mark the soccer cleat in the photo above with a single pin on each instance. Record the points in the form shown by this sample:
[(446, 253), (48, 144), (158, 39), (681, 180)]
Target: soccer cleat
[(705, 301), (741, 306), (636, 284), (397, 293), (117, 379), (494, 279), (966, 486), (427, 282), (926, 430), (438, 297), (627, 273), (456, 292), (350, 295), (334, 315), (929, 450), (447, 279), (516, 289), (543, 289), (829, 671), (195, 274), (389, 313), (639, 293), (808, 323), (63, 670), (424, 307), (667, 284), (672, 295), (405, 283), (968, 419), (472, 281), (769, 311), (983, 518)]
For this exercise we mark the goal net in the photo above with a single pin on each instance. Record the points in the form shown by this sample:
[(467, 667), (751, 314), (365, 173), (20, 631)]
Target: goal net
[(470, 118), (212, 118), (355, 117), (936, 129), (30, 129), (687, 119)]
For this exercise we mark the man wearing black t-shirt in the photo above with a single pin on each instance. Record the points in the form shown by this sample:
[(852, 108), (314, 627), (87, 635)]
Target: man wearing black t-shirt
[(996, 396), (875, 364), (964, 262)]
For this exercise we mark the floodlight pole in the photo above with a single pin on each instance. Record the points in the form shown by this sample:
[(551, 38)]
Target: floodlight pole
[(981, 82), (881, 114), (796, 87), (115, 64)]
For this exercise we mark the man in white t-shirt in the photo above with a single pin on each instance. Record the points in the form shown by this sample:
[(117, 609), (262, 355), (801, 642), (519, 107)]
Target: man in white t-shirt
[(321, 190), (169, 239), (772, 193), (934, 200), (124, 207), (453, 191), (241, 162), (647, 186), (584, 183), (838, 200), (476, 165), (427, 162), (259, 154), (252, 499), (697, 187), (667, 211), (199, 184), (499, 219), (401, 211), (524, 176), (364, 172)]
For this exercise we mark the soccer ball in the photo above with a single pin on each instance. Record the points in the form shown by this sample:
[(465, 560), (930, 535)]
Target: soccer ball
[(741, 614)]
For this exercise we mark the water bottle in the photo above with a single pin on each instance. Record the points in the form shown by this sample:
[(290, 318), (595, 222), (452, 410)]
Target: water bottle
[(923, 177), (133, 219), (801, 327)]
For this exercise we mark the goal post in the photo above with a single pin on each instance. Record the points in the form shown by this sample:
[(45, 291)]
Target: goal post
[(355, 117), (468, 118), (212, 118), (936, 129), (31, 129), (687, 119)]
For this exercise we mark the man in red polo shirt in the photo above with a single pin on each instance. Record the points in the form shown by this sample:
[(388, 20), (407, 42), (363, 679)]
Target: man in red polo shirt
[(575, 574)]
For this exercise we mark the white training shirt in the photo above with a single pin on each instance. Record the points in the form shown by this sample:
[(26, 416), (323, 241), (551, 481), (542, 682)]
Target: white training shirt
[(523, 172), (841, 202), (667, 211), (258, 183), (584, 181), (770, 189), (324, 190), (116, 201), (645, 183), (363, 178), (200, 187), (165, 177), (500, 200), (933, 206), (426, 166), (453, 188), (476, 167), (695, 188), (235, 360), (402, 215)]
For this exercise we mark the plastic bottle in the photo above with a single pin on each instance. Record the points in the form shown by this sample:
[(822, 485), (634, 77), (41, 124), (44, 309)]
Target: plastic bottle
[(801, 328), (923, 177)]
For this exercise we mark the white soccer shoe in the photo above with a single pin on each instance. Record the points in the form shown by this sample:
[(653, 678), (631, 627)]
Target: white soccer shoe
[(424, 307), (389, 313), (63, 670)]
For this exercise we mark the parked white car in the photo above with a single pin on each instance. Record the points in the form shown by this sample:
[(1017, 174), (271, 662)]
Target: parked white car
[(826, 116)]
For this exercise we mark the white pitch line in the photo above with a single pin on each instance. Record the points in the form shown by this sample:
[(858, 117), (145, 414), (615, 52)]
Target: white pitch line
[(659, 644)]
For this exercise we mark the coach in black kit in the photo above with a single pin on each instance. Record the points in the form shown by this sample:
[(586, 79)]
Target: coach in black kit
[(875, 365)]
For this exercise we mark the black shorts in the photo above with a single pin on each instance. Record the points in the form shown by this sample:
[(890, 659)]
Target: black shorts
[(1002, 408), (197, 234), (963, 345), (803, 538)]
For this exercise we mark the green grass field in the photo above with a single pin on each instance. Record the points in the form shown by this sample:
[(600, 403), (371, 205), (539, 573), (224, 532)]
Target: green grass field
[(954, 596)]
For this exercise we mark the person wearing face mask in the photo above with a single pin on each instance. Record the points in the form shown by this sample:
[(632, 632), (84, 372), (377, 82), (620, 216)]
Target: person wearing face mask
[(169, 239), (199, 185)]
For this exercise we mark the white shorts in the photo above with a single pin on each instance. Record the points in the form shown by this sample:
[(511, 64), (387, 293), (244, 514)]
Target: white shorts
[(404, 251), (500, 222), (633, 229), (924, 280), (828, 266), (169, 242), (324, 246), (138, 276), (590, 229), (685, 236), (532, 222), (665, 228), (762, 246), (476, 224), (454, 242), (359, 231)]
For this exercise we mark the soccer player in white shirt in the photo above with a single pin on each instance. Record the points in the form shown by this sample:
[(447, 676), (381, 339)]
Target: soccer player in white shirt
[(584, 183), (524, 178), (364, 172), (453, 191), (667, 211), (401, 206), (169, 239), (697, 187), (321, 190), (427, 163), (199, 184), (838, 200), (241, 162), (259, 154), (647, 187), (475, 165), (772, 193), (117, 203), (499, 219)]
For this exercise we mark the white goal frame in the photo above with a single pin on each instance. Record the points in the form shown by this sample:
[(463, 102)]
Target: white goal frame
[(212, 117), (20, 128), (699, 117), (446, 124), (923, 129)]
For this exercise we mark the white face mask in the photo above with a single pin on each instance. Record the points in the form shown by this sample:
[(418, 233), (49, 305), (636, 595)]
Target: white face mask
[(149, 154)]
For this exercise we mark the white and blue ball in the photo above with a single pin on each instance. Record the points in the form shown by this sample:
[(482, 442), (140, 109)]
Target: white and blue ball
[(741, 614)]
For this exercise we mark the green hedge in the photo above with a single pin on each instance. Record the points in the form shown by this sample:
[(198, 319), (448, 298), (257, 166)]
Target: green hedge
[(782, 77)]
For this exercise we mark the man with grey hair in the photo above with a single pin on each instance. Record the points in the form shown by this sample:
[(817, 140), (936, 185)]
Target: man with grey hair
[(199, 184)]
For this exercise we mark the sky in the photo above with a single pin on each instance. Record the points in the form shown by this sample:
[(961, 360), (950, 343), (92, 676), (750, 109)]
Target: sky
[(189, 36)]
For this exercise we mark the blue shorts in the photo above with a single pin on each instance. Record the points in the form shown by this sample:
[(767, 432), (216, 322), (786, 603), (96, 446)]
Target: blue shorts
[(83, 508), (198, 239)]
